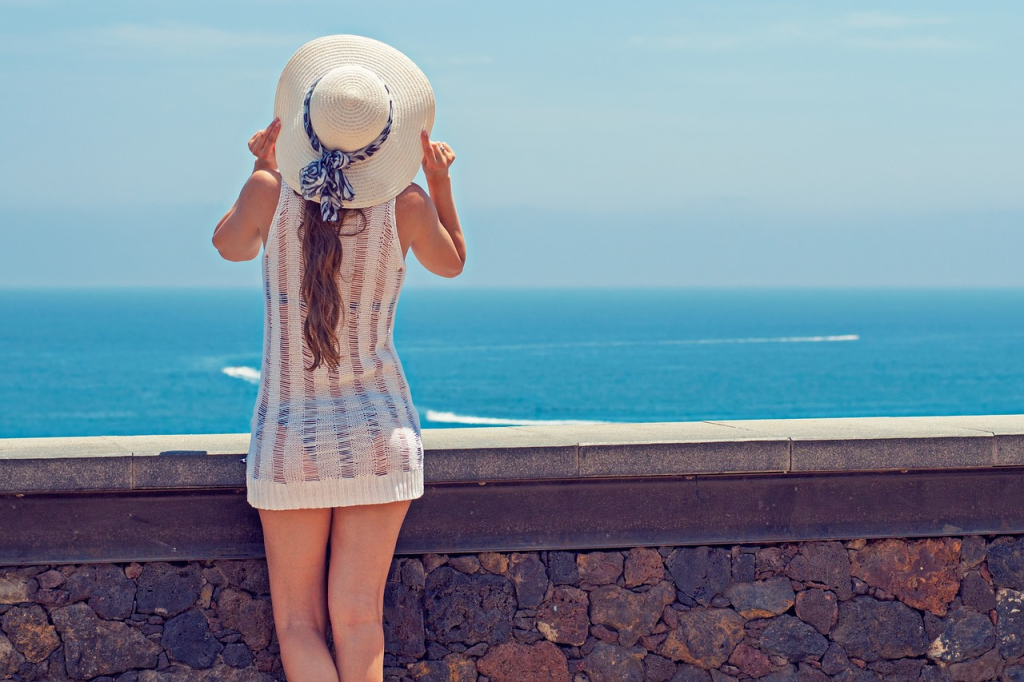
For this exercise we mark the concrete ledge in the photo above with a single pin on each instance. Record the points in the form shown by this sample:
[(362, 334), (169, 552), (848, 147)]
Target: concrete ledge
[(212, 461)]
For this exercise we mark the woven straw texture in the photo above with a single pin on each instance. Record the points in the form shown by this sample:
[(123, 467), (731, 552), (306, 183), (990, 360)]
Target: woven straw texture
[(334, 436), (390, 170)]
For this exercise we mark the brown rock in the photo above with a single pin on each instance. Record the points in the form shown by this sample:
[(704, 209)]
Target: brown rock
[(133, 570), (413, 574), (705, 637), (599, 568), (921, 573), (644, 566), (432, 561), (762, 598), (513, 661), (253, 617), (818, 608), (493, 562), (824, 564), (750, 661), (31, 632), (611, 663), (563, 617), (50, 579), (632, 615), (466, 563), (249, 574), (452, 668), (14, 589)]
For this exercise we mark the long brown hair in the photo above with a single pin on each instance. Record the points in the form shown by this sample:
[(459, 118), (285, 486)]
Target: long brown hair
[(321, 257)]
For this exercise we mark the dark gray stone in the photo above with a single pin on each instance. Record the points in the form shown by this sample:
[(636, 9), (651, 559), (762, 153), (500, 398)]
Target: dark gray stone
[(1010, 619), (659, 669), (700, 572), (110, 593), (818, 608), (403, 620), (237, 655), (562, 568), (761, 598), (834, 661), (469, 608), (1006, 562), (793, 639), (1014, 673), (976, 593), (744, 567), (981, 669), (786, 674), (967, 634), (900, 670), (691, 673), (613, 663), (94, 647), (187, 638), (806, 672), (972, 550), (167, 590), (529, 577), (870, 629), (823, 563)]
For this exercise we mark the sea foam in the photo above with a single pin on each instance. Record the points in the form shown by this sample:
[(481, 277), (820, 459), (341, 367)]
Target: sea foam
[(250, 374)]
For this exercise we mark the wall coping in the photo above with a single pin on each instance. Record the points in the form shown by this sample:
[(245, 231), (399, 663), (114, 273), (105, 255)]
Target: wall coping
[(539, 453)]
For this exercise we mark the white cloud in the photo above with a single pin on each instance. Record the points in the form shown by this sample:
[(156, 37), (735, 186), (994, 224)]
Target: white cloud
[(691, 42), (924, 43), (186, 38), (890, 21)]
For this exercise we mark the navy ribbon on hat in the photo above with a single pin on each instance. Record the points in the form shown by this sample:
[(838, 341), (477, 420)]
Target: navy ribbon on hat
[(324, 178)]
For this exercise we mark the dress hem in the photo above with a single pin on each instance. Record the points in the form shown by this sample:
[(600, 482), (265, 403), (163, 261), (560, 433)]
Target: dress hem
[(340, 492)]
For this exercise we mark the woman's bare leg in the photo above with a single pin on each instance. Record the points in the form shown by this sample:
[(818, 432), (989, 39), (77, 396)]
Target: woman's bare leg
[(296, 546), (363, 539)]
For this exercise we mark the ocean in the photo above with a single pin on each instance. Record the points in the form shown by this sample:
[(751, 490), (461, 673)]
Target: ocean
[(87, 362)]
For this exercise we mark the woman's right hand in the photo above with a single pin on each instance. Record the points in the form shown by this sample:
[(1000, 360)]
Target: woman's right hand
[(263, 146)]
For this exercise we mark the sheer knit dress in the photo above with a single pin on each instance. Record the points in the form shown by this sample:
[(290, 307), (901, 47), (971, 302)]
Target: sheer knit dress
[(334, 436)]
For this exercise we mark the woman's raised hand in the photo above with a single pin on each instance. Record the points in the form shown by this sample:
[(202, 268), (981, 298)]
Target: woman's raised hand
[(437, 157), (263, 146)]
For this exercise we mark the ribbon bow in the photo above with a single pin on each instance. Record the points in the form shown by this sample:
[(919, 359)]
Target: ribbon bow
[(324, 178)]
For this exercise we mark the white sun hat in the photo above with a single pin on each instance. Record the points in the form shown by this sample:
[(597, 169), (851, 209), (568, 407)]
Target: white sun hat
[(351, 111)]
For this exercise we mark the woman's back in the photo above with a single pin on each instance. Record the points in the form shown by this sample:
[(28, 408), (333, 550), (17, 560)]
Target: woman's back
[(344, 435)]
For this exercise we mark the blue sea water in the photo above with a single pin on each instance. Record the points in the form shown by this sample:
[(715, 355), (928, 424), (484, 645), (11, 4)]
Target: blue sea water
[(147, 361)]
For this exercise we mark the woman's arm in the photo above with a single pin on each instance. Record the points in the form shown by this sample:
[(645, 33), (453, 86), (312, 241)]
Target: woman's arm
[(243, 229), (437, 240)]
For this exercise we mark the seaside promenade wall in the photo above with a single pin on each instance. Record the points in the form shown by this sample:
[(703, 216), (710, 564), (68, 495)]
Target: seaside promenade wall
[(822, 549)]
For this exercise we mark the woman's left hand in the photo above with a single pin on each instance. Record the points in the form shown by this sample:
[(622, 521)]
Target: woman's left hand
[(263, 146)]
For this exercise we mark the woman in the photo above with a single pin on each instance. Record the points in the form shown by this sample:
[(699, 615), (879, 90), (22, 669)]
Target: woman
[(335, 455)]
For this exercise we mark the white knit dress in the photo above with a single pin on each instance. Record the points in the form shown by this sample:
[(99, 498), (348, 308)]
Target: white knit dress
[(334, 436)]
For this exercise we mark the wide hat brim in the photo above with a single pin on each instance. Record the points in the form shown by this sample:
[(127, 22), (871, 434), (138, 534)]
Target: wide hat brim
[(392, 167)]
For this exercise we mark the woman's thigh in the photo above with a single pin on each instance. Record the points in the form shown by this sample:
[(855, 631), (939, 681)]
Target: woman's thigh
[(296, 547), (363, 539)]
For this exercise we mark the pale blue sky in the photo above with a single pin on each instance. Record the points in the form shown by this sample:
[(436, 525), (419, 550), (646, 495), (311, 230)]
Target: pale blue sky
[(599, 143)]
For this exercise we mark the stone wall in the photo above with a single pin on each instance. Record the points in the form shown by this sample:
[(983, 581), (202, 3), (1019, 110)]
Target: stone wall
[(893, 609)]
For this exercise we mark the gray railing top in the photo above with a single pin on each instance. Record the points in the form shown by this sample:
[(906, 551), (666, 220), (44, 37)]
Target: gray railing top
[(205, 461)]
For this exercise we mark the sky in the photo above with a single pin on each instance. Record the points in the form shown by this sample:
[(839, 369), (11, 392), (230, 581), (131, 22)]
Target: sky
[(855, 144)]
